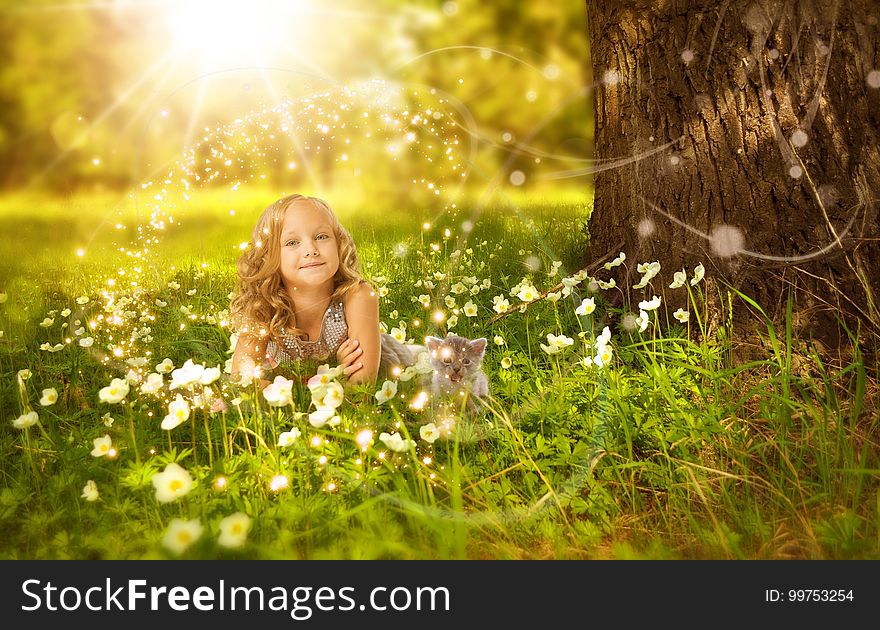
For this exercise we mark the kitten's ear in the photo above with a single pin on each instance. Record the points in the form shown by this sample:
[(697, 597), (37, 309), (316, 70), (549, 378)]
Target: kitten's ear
[(479, 345), (433, 343)]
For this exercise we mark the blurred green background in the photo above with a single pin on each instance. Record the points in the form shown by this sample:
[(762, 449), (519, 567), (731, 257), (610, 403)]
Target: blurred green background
[(98, 96)]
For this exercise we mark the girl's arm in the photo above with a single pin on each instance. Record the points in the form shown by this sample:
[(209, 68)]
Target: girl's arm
[(362, 316), (250, 353)]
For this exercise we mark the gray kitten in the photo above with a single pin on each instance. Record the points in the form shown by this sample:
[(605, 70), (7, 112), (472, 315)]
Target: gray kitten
[(457, 364)]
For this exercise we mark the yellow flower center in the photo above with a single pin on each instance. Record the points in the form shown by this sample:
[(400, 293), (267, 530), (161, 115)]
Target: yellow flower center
[(183, 536), (176, 485)]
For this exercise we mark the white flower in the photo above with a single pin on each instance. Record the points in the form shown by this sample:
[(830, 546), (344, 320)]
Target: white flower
[(181, 534), (506, 363), (24, 374), (323, 378), (152, 384), (82, 299), (470, 309), (102, 446), (606, 285), (699, 272), (210, 375), (603, 356), (586, 307), (288, 437), (395, 442), (47, 322), (279, 393), (321, 416), (458, 288), (90, 491), (450, 301), (500, 304), (190, 374), (452, 321), (107, 419), (678, 279), (86, 342), (648, 271), (332, 397), (234, 530), (642, 321), (50, 397), (554, 297), (616, 262), (161, 303), (556, 344), (65, 312), (178, 413), (25, 420), (172, 483), (499, 340), (388, 391), (398, 334), (173, 285), (46, 346), (682, 316), (604, 337), (79, 331), (650, 305), (115, 392), (425, 300), (137, 361), (527, 293), (429, 432)]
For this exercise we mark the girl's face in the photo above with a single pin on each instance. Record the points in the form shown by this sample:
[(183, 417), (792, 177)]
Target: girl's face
[(309, 250)]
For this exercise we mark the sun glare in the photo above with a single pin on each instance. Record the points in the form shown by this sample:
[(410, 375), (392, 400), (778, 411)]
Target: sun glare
[(221, 30)]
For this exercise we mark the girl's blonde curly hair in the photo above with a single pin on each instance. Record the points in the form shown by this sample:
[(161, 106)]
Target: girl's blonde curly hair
[(261, 305)]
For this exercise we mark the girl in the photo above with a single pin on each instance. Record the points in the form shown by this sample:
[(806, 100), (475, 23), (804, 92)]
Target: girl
[(301, 296)]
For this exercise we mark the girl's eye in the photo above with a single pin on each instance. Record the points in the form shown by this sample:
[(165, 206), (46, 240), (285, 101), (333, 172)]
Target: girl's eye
[(322, 236)]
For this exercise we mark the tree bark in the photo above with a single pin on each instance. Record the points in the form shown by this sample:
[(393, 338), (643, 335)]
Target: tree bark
[(745, 136)]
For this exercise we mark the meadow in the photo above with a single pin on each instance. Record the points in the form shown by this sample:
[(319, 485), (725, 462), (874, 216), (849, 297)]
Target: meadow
[(650, 440)]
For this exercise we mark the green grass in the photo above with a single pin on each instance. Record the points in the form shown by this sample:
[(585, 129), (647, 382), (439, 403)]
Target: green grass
[(672, 451)]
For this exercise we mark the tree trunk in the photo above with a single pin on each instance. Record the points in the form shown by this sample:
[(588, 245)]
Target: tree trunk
[(746, 137)]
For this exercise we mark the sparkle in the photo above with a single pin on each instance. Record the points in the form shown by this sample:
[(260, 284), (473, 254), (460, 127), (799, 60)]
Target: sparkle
[(279, 482), (364, 438)]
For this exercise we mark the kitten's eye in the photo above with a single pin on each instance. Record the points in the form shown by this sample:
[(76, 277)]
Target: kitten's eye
[(447, 360), (467, 361)]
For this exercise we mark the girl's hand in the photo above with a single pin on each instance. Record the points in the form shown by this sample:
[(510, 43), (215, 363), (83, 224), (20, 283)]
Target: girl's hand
[(347, 356)]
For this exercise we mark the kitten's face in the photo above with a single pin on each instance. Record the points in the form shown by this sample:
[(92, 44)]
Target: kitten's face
[(455, 357)]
